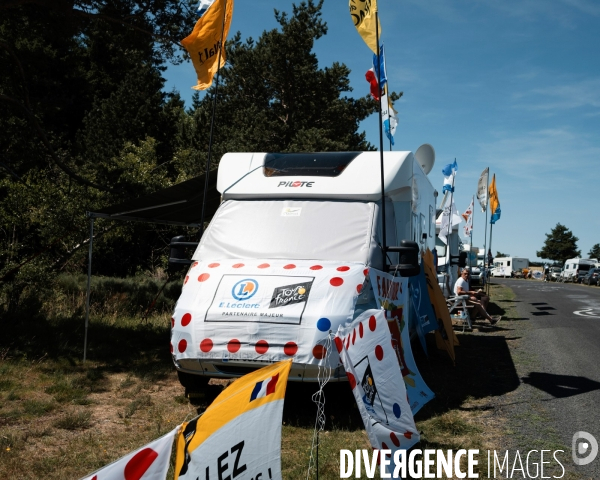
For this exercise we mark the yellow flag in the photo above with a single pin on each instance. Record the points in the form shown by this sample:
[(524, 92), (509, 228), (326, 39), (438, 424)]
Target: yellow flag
[(239, 432), (363, 13), (207, 39), (493, 195)]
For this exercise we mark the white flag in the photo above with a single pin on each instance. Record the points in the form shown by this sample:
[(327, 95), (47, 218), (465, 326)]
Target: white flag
[(448, 213), (482, 189), (150, 462), (203, 6), (468, 217)]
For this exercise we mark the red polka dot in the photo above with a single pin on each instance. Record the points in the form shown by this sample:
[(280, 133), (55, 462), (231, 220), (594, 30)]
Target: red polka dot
[(336, 281), (361, 330), (137, 466), (233, 345), (182, 345), (187, 277), (384, 446), (290, 266), (372, 323), (408, 435), (172, 322), (316, 267), (351, 379), (214, 265), (204, 277), (353, 336), (359, 288), (261, 347), (394, 439), (186, 319), (171, 345), (319, 352), (194, 264), (206, 345), (264, 265), (338, 344), (237, 265), (290, 349), (343, 269), (366, 271), (379, 352)]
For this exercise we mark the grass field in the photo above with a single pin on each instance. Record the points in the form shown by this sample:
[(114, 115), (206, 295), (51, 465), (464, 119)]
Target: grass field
[(61, 418)]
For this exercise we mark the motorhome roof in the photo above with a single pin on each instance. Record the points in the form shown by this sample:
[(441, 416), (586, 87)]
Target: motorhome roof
[(343, 175)]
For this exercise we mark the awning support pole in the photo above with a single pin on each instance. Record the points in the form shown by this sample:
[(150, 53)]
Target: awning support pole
[(87, 299)]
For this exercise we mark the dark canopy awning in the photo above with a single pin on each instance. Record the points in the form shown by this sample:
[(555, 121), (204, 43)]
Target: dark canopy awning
[(180, 204)]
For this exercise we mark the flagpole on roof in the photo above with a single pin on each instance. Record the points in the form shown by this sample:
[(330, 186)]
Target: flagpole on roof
[(212, 123), (383, 236)]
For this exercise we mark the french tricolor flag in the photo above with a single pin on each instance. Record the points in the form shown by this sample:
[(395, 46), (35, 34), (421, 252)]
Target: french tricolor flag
[(264, 388)]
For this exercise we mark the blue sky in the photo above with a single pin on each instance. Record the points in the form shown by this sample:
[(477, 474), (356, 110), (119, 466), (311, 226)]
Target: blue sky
[(512, 84)]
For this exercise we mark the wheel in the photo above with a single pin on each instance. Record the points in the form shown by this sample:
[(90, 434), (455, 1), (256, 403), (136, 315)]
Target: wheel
[(192, 383)]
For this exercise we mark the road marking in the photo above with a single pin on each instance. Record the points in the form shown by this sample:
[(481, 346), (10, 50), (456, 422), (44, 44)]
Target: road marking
[(587, 312)]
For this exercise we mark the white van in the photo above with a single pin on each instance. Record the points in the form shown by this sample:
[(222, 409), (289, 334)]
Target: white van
[(575, 268), (288, 252), (505, 266)]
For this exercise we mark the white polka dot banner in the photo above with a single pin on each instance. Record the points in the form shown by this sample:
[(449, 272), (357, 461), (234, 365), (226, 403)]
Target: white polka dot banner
[(391, 293), (374, 374), (151, 462), (264, 310)]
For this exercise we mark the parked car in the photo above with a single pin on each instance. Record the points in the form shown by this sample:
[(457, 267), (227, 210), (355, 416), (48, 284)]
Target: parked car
[(555, 273), (591, 276)]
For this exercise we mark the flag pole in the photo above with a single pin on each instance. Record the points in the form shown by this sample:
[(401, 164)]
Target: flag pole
[(472, 226), (485, 257), (383, 236), (212, 124)]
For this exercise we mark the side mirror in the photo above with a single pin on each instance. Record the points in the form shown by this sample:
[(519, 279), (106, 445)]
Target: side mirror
[(408, 254), (177, 256)]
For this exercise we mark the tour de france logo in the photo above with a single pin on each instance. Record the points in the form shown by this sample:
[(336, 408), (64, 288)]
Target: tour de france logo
[(244, 289)]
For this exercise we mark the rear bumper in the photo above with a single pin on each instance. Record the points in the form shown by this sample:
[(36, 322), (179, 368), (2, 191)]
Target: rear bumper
[(298, 372)]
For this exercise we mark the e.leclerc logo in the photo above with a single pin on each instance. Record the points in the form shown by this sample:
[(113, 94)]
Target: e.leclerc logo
[(244, 289), (296, 183)]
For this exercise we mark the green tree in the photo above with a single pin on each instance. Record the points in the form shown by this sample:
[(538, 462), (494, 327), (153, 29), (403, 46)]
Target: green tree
[(274, 97), (595, 251), (560, 245)]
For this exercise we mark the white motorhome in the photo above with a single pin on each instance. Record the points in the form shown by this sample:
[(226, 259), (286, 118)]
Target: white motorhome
[(576, 266), (288, 253), (505, 266)]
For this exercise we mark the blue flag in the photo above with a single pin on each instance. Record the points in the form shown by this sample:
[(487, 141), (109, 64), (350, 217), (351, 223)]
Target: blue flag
[(449, 172)]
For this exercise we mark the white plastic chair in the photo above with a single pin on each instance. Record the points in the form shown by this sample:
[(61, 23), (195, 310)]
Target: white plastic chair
[(459, 311)]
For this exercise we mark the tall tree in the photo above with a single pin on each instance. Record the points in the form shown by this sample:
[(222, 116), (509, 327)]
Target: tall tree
[(274, 97), (560, 245), (595, 251)]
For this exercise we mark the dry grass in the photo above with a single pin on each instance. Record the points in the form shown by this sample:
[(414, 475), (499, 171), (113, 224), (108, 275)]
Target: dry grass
[(63, 419)]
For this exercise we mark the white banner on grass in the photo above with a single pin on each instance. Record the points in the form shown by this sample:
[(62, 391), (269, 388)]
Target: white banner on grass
[(391, 293), (374, 375)]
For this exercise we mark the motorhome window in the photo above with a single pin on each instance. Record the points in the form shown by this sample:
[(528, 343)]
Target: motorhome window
[(323, 164), (423, 227), (431, 221), (292, 229), (508, 263), (584, 267)]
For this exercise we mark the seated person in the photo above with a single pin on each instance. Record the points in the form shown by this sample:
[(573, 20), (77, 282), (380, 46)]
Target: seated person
[(476, 298)]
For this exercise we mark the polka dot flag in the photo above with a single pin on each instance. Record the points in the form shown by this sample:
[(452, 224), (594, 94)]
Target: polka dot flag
[(150, 462), (376, 380)]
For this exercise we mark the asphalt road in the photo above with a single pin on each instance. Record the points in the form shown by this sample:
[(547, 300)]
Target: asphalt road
[(563, 340)]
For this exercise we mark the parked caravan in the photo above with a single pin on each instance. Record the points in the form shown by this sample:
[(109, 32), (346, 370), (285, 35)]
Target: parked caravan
[(285, 259), (505, 266), (575, 268)]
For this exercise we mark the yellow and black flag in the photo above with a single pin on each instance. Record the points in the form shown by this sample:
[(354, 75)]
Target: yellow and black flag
[(364, 16), (208, 39)]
